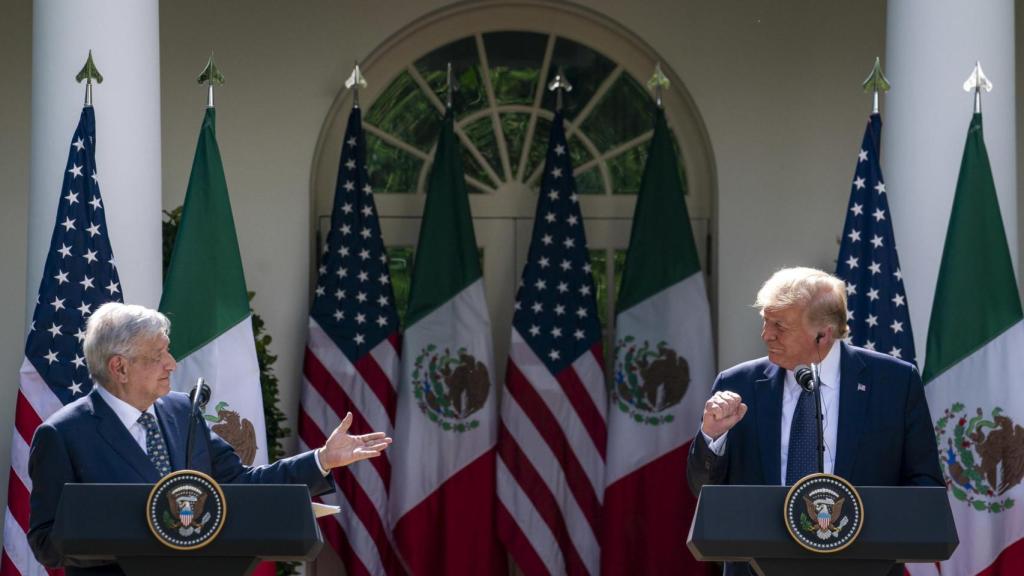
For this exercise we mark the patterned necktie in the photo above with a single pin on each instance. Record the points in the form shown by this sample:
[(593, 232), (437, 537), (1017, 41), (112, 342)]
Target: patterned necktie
[(803, 440), (155, 447)]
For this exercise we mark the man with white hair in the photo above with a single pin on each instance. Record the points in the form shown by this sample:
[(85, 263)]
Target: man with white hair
[(759, 425), (132, 429)]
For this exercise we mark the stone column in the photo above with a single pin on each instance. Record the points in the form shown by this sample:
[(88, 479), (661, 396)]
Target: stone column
[(124, 36), (931, 48)]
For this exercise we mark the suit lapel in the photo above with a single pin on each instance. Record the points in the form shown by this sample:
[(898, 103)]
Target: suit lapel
[(174, 435), (769, 421), (117, 436), (853, 403)]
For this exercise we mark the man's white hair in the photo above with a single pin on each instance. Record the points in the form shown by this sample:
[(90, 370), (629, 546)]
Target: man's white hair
[(115, 329)]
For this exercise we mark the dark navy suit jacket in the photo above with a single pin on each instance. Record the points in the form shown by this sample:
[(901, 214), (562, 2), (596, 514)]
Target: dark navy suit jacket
[(885, 436), (85, 442)]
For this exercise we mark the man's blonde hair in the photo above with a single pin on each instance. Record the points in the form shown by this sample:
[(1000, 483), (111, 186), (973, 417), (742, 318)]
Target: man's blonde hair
[(820, 294)]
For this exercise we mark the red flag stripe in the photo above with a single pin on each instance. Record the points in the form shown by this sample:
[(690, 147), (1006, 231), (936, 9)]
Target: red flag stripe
[(518, 544), (7, 567), (335, 536), (525, 475), (357, 498), (25, 418), (576, 392), (379, 383), (548, 427), (18, 501), (332, 393), (388, 362), (331, 356)]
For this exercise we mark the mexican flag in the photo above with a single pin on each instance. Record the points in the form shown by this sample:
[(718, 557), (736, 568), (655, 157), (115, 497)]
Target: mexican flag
[(972, 372), (208, 305), (443, 464), (664, 368)]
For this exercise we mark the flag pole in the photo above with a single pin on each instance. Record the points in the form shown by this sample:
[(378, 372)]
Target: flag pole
[(658, 82), (211, 76), (88, 73), (976, 82), (876, 82), (355, 81), (559, 86)]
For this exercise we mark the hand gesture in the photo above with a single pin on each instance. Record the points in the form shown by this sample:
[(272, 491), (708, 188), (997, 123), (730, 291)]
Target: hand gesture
[(342, 448), (721, 412)]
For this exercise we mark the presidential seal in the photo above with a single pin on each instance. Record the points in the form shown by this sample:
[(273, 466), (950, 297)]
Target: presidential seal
[(450, 388), (649, 380), (982, 456), (186, 510), (823, 513)]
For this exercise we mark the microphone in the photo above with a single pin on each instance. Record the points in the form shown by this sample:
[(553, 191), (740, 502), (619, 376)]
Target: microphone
[(200, 396), (804, 377)]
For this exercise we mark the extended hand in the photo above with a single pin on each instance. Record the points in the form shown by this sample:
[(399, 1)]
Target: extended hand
[(721, 412), (342, 448)]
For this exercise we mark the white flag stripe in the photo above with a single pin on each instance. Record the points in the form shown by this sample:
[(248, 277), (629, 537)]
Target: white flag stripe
[(16, 545), (38, 394), (19, 460), (530, 523), (691, 339), (348, 378), (995, 364), (417, 455), (365, 473), (590, 371), (537, 451), (561, 407), (229, 365), (386, 357)]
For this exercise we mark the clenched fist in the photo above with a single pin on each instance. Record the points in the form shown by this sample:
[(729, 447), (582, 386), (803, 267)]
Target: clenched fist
[(721, 412)]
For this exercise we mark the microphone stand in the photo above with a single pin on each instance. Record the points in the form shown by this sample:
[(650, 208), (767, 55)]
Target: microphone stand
[(818, 418), (197, 404)]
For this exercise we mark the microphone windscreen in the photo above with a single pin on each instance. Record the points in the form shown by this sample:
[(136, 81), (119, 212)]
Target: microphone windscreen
[(804, 377)]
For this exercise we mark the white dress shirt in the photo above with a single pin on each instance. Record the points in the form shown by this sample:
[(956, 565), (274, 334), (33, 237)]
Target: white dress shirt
[(829, 374), (128, 415)]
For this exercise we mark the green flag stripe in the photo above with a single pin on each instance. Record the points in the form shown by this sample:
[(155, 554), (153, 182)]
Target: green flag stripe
[(204, 291), (976, 295), (446, 255), (661, 247)]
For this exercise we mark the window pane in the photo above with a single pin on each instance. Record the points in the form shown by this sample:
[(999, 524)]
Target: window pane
[(623, 113), (470, 95), (590, 182), (627, 170), (404, 111), (481, 134), (584, 68), (391, 169), (514, 128), (514, 59), (400, 260), (471, 168), (578, 151), (539, 146)]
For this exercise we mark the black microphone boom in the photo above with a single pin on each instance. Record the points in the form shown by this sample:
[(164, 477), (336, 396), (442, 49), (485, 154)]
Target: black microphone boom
[(804, 377), (199, 396)]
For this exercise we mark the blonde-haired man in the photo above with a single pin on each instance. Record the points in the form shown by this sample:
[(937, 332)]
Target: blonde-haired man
[(759, 425)]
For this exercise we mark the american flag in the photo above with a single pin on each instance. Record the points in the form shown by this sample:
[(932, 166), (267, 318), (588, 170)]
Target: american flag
[(351, 362), (876, 300), (551, 442), (79, 276)]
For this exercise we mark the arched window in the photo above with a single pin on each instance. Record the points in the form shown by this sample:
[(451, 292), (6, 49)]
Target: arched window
[(503, 56)]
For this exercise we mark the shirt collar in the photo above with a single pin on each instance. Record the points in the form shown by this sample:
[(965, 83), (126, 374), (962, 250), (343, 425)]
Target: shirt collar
[(126, 413)]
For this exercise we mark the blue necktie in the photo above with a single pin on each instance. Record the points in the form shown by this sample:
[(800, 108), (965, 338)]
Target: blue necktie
[(803, 440), (155, 447)]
